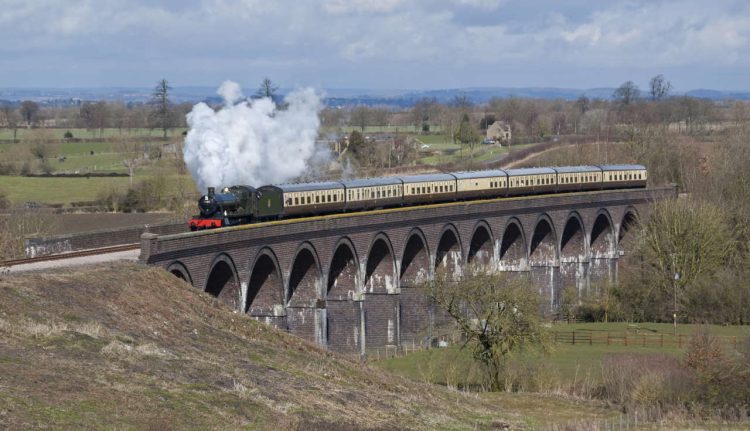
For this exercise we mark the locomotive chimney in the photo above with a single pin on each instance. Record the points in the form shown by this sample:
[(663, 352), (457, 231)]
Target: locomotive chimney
[(211, 192)]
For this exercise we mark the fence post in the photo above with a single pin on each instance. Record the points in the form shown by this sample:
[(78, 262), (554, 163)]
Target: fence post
[(679, 341), (660, 345), (590, 340), (626, 338), (574, 338), (734, 342), (608, 338), (644, 340)]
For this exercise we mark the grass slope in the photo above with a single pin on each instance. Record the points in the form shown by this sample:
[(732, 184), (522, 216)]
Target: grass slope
[(124, 346)]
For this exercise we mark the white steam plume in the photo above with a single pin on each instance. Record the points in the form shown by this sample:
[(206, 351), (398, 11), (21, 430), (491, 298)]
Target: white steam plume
[(251, 142)]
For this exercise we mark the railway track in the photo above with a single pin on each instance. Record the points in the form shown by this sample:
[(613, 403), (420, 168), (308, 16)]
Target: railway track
[(82, 253)]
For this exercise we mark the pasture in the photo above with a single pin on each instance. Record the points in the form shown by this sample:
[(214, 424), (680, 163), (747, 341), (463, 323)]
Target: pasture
[(23, 133), (565, 364), (66, 190)]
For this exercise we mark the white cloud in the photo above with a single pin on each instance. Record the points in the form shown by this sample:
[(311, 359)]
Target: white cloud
[(371, 39), (358, 6), (482, 4)]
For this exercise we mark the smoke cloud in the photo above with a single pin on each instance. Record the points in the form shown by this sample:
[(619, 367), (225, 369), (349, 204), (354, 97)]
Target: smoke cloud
[(252, 142)]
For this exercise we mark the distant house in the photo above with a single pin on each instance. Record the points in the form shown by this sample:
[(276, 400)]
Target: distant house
[(499, 131)]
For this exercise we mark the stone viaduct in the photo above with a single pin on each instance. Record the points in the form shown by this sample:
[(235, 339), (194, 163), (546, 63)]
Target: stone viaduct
[(347, 281)]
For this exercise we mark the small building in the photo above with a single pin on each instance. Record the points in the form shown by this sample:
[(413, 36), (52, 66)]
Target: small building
[(499, 131)]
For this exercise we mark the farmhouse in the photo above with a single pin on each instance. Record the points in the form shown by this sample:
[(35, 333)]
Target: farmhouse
[(499, 131)]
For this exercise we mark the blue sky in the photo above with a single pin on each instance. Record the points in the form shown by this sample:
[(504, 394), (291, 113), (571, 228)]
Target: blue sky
[(379, 44)]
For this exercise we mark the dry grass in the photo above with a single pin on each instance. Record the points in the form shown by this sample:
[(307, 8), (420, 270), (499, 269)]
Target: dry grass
[(131, 347)]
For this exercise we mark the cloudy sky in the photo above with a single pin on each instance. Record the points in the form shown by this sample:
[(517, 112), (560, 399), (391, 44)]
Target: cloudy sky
[(379, 44)]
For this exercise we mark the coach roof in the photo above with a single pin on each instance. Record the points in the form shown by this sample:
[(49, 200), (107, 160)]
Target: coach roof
[(480, 174), (427, 178)]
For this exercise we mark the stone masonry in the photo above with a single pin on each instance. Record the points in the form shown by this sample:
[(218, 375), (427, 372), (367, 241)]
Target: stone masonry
[(350, 281)]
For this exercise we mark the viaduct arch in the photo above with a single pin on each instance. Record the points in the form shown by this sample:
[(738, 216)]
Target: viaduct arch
[(354, 282)]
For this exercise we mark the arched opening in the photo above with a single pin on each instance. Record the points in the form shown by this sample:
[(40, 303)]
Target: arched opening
[(380, 269), (223, 284), (415, 264), (178, 270), (572, 242), (448, 255), (342, 277), (265, 288), (512, 247), (602, 237), (628, 222), (480, 248), (543, 242), (303, 279)]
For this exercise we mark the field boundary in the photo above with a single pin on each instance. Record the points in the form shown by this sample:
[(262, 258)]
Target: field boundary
[(624, 338)]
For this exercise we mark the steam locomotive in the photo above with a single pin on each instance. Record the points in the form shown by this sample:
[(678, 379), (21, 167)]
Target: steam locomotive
[(245, 204)]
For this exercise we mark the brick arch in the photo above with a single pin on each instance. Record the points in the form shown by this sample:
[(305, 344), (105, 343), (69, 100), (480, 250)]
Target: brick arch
[(415, 259), (380, 265), (481, 247), (543, 245), (304, 276), (448, 253), (513, 245), (343, 273), (179, 270), (222, 281), (602, 236), (265, 287), (573, 238), (629, 219)]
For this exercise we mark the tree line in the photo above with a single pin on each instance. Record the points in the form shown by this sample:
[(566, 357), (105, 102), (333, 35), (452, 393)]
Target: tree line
[(158, 113)]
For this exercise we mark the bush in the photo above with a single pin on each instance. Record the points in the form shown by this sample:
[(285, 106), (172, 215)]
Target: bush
[(68, 135), (638, 380), (8, 169), (4, 201)]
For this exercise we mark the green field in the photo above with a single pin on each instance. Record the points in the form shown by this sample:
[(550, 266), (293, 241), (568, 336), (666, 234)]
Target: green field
[(565, 362), (384, 129), (441, 150), (66, 190), (59, 133)]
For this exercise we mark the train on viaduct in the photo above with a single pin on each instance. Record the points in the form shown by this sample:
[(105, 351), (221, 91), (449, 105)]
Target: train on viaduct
[(350, 282)]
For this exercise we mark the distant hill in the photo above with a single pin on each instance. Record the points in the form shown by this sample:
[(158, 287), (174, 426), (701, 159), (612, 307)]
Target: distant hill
[(396, 98)]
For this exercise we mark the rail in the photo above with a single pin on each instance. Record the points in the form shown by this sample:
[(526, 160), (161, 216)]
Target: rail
[(82, 253)]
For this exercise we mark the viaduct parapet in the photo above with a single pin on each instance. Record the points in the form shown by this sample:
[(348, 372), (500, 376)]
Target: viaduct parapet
[(348, 281)]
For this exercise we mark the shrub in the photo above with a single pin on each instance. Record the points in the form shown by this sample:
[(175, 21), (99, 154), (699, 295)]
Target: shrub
[(4, 201), (68, 135), (635, 380)]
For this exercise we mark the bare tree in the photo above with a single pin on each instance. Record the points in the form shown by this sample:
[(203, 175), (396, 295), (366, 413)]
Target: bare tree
[(626, 93), (498, 315), (161, 106), (360, 117), (10, 120), (659, 87), (267, 89), (423, 112), (132, 155), (94, 116), (29, 111), (682, 241)]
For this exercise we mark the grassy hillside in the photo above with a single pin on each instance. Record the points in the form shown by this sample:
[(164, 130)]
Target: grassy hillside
[(130, 347)]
